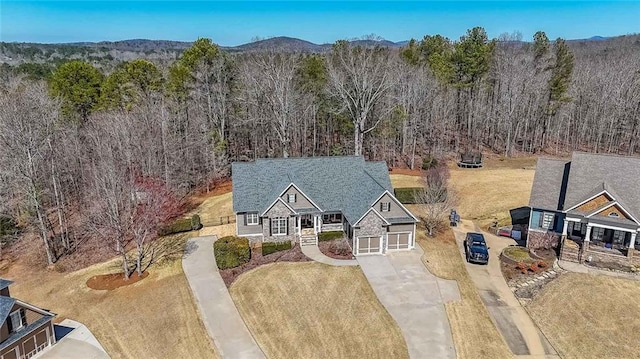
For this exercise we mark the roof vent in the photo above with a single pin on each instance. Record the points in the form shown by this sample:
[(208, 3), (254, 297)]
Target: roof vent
[(614, 214)]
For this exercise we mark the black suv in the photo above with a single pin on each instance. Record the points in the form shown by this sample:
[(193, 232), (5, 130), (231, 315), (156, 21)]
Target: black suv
[(476, 248)]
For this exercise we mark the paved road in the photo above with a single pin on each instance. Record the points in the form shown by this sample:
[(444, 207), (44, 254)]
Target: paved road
[(414, 297), (517, 328), (220, 316)]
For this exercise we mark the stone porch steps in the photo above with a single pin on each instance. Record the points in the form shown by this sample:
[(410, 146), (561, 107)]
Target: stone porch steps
[(308, 240)]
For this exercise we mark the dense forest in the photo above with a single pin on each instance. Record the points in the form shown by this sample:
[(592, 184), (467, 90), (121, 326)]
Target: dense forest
[(77, 139)]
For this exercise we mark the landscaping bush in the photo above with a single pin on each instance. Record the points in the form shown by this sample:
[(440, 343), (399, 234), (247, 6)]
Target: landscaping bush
[(195, 222), (181, 225), (231, 251), (341, 248), (408, 195), (329, 236), (272, 247), (429, 162)]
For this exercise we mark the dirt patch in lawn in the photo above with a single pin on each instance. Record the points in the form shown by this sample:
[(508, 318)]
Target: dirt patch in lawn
[(114, 280), (337, 249), (474, 334), (589, 316), (312, 310), (257, 259)]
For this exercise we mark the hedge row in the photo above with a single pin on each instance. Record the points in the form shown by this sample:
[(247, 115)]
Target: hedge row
[(329, 236), (272, 247), (407, 195), (182, 225), (231, 251)]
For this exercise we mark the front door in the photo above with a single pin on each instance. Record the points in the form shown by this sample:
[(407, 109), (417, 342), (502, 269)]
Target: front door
[(306, 221)]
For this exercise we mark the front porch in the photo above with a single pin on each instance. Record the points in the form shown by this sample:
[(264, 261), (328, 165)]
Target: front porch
[(308, 225)]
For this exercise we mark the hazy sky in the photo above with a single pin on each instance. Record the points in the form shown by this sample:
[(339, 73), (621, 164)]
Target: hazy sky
[(236, 22)]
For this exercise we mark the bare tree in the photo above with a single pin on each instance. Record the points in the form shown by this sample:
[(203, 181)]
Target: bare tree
[(358, 78), (435, 199)]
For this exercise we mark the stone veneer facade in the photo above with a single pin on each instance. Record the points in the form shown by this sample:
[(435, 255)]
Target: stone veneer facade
[(278, 210), (370, 226)]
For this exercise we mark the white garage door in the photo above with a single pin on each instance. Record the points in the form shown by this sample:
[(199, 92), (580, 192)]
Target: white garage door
[(399, 240), (369, 245)]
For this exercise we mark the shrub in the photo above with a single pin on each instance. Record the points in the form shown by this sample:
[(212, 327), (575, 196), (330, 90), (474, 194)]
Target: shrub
[(231, 251), (408, 195), (340, 248), (195, 222), (272, 247), (429, 162), (181, 225), (329, 236), (548, 240)]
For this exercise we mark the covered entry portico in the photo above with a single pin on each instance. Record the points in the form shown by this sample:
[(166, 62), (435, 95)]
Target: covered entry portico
[(616, 236)]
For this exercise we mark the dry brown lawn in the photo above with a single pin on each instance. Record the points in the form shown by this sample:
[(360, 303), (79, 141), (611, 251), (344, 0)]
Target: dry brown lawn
[(399, 181), (215, 207), (474, 334), (589, 316), (311, 310), (487, 194), (153, 318)]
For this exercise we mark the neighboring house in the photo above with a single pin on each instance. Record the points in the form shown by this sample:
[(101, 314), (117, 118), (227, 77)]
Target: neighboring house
[(294, 199), (26, 330), (592, 200)]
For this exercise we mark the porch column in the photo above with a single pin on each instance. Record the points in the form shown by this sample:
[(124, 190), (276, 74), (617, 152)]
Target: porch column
[(564, 227), (632, 243), (587, 236)]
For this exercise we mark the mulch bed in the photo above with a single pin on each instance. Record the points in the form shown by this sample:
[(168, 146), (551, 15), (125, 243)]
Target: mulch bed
[(114, 280), (257, 259), (328, 248)]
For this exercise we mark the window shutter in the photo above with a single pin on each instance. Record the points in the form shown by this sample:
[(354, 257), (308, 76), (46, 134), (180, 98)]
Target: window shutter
[(295, 197), (287, 222), (9, 324), (381, 203), (245, 219), (270, 227)]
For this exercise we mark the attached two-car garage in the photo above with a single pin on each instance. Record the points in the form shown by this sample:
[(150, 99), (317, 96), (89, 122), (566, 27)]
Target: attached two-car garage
[(376, 244)]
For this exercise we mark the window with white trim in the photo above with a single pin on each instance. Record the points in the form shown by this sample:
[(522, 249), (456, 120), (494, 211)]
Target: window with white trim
[(252, 219), (385, 206), (547, 220), (278, 226), (17, 320), (291, 198)]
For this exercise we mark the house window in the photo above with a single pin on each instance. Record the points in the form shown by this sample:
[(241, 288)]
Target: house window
[(279, 226), (17, 319), (385, 206), (547, 220), (597, 234), (291, 198), (252, 219), (332, 218)]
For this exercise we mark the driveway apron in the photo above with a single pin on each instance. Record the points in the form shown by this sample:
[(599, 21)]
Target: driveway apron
[(415, 299), (220, 316)]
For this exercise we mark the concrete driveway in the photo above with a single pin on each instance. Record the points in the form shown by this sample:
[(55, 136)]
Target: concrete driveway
[(513, 322), (415, 299), (219, 314)]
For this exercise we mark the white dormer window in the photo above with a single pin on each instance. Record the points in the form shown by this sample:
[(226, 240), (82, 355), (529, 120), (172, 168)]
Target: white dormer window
[(385, 206), (17, 320), (614, 214), (291, 198), (252, 219)]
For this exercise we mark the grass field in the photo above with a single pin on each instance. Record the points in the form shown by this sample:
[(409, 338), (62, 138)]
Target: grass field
[(590, 316), (130, 322), (474, 334), (311, 310)]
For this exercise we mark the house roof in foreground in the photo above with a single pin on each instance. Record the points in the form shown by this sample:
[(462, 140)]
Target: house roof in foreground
[(547, 184), (340, 183), (561, 184)]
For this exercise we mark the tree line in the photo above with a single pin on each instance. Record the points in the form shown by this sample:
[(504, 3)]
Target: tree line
[(75, 148)]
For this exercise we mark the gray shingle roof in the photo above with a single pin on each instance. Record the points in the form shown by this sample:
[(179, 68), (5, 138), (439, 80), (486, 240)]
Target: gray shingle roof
[(6, 303), (618, 175), (4, 283), (547, 184), (341, 183)]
